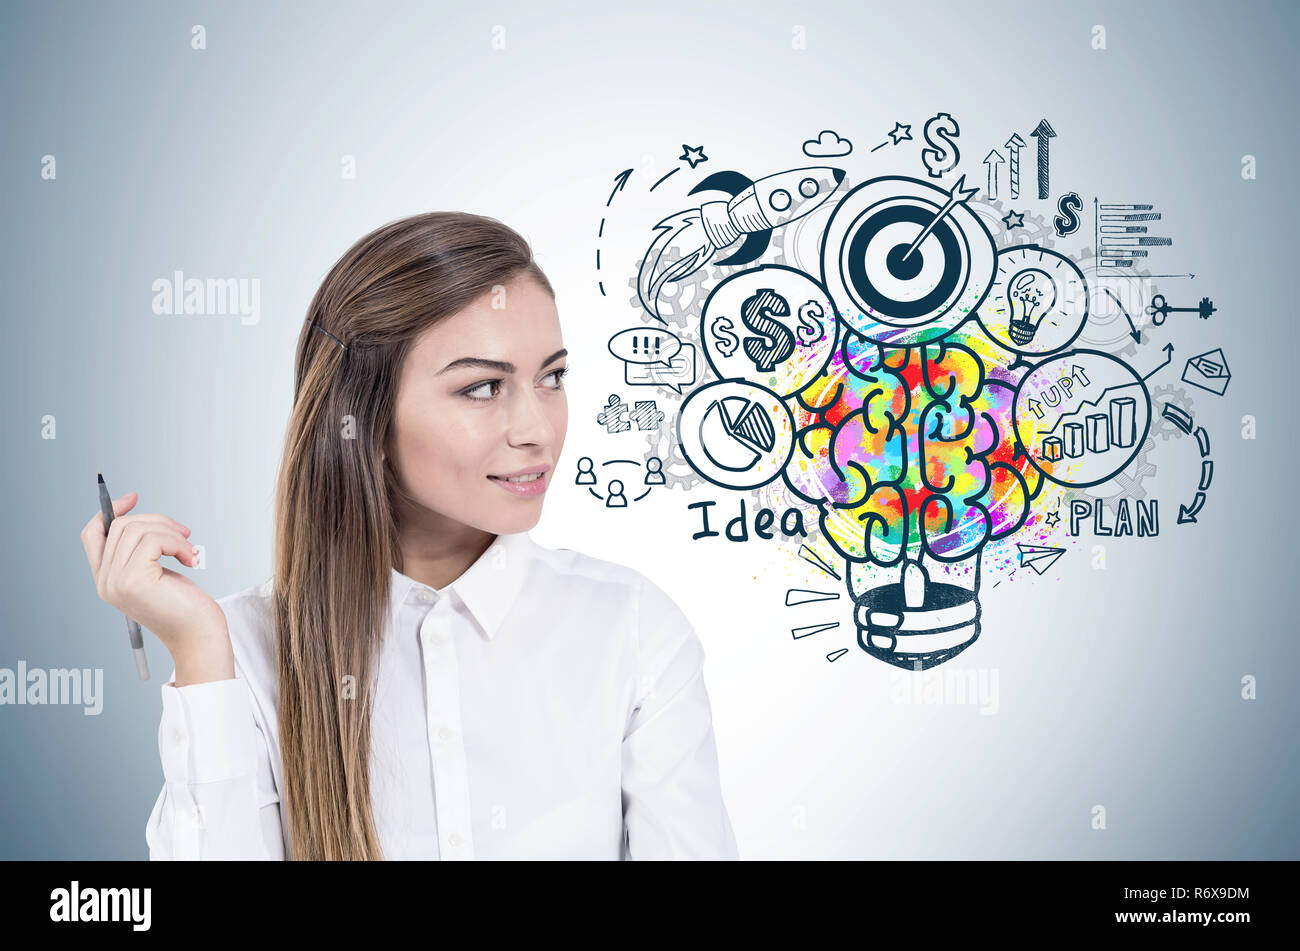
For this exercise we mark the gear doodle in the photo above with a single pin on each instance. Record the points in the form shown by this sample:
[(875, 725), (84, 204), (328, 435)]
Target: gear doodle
[(782, 256), (682, 302), (679, 301), (1107, 329)]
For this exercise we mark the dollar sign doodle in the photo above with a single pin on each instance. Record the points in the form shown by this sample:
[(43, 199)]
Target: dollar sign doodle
[(810, 322), (723, 337), (1067, 222), (939, 133), (776, 342)]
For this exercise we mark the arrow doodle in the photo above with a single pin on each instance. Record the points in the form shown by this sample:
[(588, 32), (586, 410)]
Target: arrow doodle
[(1169, 355), (992, 160), (1014, 145), (1188, 513), (1132, 330), (620, 180), (1044, 133), (1183, 420), (1203, 440)]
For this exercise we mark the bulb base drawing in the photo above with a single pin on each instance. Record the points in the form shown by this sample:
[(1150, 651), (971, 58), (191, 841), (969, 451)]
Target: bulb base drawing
[(1021, 331), (917, 638), (916, 616)]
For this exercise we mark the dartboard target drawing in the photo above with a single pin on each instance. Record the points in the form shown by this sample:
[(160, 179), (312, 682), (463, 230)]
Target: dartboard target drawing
[(895, 294)]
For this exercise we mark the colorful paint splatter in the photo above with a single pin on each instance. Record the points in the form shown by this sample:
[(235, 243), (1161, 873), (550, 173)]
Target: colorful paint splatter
[(909, 450)]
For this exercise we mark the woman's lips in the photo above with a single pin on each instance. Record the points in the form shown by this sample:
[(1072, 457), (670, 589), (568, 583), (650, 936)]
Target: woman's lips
[(525, 489)]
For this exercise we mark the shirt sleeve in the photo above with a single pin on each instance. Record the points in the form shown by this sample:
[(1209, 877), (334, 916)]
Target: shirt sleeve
[(218, 799), (672, 796)]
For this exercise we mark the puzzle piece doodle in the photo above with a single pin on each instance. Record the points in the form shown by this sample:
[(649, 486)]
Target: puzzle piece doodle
[(614, 416), (647, 415)]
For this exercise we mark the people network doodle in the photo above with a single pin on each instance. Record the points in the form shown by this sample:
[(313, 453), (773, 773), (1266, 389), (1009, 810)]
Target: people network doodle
[(937, 388)]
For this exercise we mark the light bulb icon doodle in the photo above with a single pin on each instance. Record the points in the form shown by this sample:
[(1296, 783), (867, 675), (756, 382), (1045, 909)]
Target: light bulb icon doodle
[(910, 456), (1038, 303), (905, 446), (1032, 294)]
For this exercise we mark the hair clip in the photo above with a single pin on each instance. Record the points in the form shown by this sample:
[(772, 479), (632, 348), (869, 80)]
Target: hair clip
[(330, 335)]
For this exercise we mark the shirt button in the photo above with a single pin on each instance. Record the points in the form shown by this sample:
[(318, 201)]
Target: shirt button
[(425, 596), (455, 840), (444, 734), (177, 737)]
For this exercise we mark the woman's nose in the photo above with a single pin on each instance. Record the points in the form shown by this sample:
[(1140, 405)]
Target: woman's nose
[(529, 421)]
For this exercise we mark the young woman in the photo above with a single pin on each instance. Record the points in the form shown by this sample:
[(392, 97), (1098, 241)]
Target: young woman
[(420, 679)]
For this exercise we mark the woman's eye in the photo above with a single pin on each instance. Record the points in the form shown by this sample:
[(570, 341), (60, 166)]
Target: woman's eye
[(484, 385), (488, 389)]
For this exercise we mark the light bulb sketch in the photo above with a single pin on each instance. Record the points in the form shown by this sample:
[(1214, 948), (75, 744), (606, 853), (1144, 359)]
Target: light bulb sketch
[(910, 455), (1032, 294), (887, 392), (1037, 304)]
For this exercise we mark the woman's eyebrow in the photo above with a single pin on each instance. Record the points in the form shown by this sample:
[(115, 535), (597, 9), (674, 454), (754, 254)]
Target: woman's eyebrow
[(501, 365)]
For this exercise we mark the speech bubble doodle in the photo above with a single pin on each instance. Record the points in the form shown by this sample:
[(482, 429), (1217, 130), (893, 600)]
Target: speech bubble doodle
[(645, 345)]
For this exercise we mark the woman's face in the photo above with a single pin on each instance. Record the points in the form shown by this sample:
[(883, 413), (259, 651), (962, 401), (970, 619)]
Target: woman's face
[(480, 398)]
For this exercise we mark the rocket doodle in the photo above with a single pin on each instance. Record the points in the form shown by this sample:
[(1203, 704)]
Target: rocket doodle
[(687, 240)]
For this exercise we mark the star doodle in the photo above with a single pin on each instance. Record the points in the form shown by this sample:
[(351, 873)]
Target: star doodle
[(900, 132), (1014, 219), (1053, 518), (693, 155)]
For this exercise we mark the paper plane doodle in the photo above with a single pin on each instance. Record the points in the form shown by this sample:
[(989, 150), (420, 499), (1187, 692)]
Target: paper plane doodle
[(1209, 371), (1039, 557)]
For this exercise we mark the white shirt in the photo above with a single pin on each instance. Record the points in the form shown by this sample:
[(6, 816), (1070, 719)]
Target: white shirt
[(545, 704)]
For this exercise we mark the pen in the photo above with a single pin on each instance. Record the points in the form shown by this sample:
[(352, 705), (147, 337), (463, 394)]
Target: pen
[(132, 627)]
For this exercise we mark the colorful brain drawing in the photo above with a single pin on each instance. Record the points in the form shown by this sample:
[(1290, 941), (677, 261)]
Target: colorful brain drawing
[(909, 450)]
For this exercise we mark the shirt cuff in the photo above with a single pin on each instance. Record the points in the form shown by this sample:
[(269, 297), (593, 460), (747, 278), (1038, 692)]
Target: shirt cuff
[(207, 733)]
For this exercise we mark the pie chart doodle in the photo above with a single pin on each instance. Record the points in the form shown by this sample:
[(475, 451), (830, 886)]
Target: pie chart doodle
[(736, 434)]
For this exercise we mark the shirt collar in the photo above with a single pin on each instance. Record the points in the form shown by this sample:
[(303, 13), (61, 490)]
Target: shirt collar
[(487, 588)]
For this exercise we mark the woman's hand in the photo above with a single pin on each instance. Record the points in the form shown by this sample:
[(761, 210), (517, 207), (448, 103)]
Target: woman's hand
[(190, 624)]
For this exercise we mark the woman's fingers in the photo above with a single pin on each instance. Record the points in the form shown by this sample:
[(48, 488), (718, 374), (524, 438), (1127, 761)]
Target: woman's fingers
[(93, 537), (150, 545), (103, 551), (135, 559), (124, 524)]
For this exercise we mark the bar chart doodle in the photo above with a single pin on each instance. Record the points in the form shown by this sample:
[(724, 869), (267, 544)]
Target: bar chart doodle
[(1121, 233)]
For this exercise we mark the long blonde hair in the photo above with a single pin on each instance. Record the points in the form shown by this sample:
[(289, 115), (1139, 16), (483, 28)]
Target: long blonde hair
[(336, 529)]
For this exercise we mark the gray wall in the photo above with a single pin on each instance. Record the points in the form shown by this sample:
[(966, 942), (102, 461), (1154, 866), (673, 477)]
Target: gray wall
[(1118, 688)]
